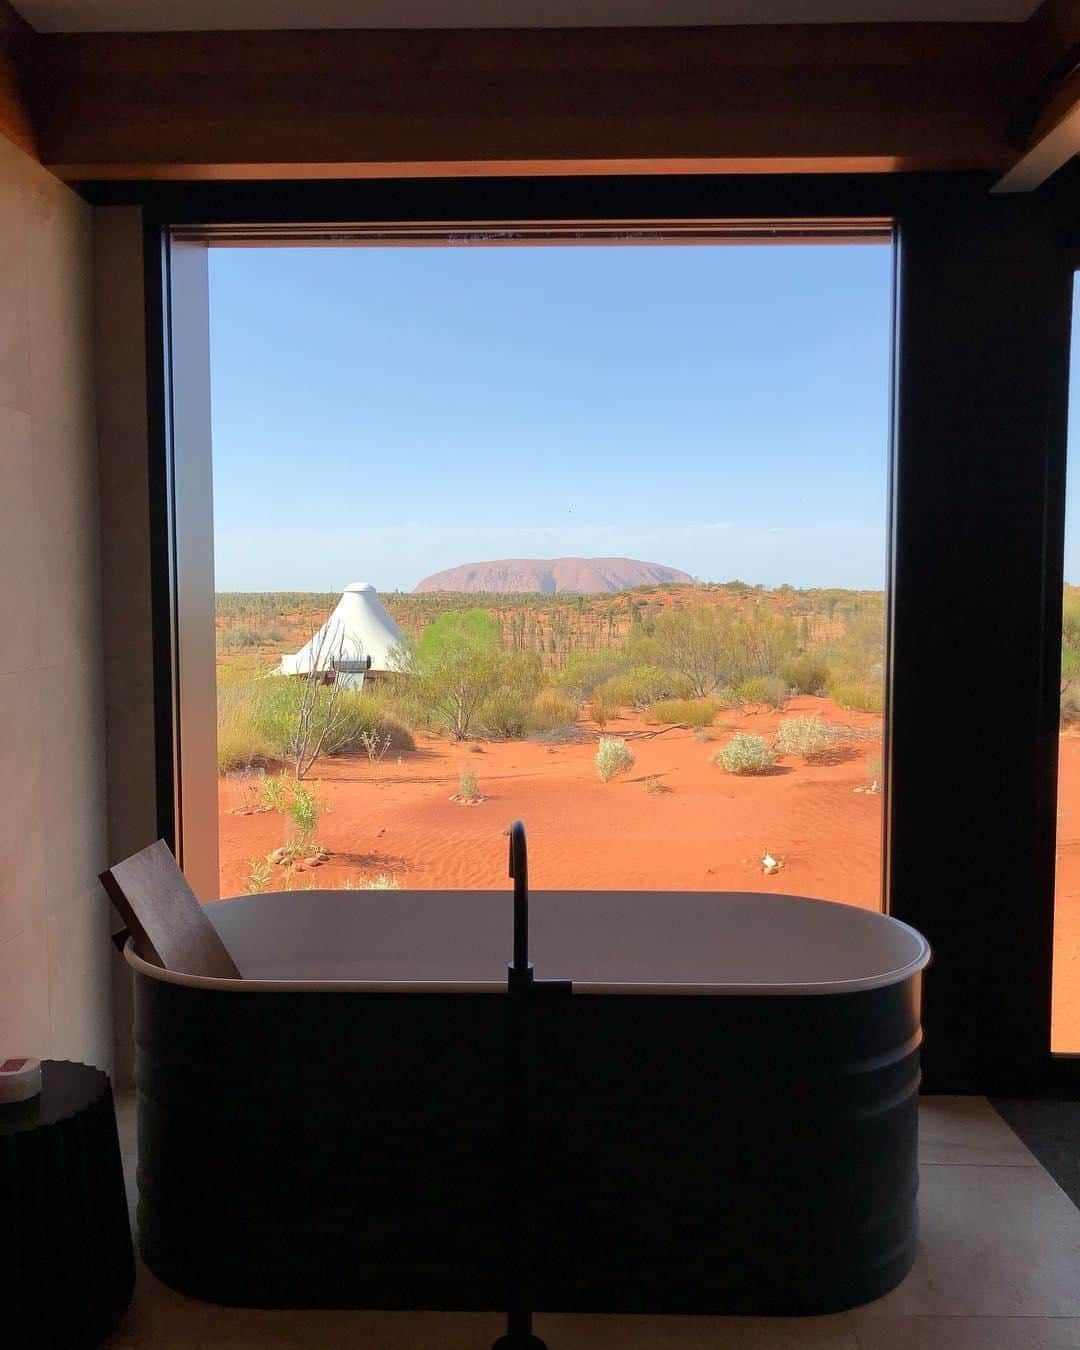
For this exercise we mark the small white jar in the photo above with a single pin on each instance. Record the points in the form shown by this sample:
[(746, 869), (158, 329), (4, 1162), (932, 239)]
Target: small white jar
[(20, 1079)]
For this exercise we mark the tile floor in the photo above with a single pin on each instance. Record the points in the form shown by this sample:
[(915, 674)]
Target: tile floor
[(998, 1269)]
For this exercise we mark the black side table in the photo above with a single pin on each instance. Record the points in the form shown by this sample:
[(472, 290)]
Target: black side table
[(67, 1269)]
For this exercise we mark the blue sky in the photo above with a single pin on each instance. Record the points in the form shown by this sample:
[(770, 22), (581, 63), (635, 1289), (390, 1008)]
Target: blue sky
[(381, 413)]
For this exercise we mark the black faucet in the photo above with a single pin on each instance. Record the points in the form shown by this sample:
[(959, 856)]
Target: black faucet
[(521, 971), (519, 988)]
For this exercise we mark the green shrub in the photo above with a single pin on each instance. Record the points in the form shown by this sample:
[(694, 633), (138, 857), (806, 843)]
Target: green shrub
[(691, 712), (275, 710), (745, 754), (643, 685), (505, 713), (276, 792), (304, 811), (807, 737), (459, 670), (552, 708), (585, 670), (805, 674), (612, 758), (260, 874), (858, 695), (232, 638), (468, 787), (239, 744), (767, 689)]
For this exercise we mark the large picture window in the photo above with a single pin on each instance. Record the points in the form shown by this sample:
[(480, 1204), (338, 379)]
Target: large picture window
[(590, 535)]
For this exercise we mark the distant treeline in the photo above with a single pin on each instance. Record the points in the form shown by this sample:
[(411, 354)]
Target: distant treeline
[(554, 626)]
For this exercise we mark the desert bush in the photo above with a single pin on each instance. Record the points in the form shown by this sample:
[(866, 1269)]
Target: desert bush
[(1070, 703), (585, 670), (858, 695), (259, 875), (766, 640), (745, 754), (458, 668), (1070, 618), (702, 645), (767, 689), (397, 699), (375, 744), (693, 712), (232, 638), (468, 787), (505, 713), (612, 758), (275, 792), (552, 708), (305, 810), (239, 744), (805, 674), (863, 645), (807, 737), (276, 707), (643, 685), (383, 882)]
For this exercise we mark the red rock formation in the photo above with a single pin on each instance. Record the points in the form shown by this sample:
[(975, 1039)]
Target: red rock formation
[(552, 576)]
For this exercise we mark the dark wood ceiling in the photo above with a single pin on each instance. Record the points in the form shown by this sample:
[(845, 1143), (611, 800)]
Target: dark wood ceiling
[(367, 103)]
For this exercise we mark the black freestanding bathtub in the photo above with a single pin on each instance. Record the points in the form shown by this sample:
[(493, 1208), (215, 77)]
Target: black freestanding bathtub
[(724, 1108)]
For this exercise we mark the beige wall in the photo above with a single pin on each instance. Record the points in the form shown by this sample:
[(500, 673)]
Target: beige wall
[(55, 954)]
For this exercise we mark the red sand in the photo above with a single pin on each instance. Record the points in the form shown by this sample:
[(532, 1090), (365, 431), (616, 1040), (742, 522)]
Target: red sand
[(709, 832)]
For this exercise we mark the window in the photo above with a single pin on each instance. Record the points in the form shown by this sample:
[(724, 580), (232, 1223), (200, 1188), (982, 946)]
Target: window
[(609, 523)]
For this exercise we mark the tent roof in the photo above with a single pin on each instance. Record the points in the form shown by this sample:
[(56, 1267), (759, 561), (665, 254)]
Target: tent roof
[(358, 628)]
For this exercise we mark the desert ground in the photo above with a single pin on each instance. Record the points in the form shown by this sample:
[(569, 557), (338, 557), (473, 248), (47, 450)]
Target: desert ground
[(675, 821)]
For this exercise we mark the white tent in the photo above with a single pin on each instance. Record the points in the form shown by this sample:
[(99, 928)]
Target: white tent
[(359, 628)]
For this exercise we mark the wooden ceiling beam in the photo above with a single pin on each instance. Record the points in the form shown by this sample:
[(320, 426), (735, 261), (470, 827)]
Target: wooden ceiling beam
[(16, 41), (813, 98), (1046, 124), (1053, 142)]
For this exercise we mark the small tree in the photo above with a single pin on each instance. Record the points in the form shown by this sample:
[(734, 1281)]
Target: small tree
[(457, 666), (323, 725), (701, 645)]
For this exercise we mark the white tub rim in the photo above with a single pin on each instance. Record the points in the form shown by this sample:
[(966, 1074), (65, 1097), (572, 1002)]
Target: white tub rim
[(918, 961)]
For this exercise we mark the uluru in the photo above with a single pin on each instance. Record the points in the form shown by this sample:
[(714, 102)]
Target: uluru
[(552, 576)]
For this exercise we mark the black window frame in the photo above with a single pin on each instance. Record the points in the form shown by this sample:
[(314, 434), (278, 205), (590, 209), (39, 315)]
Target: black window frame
[(980, 394)]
